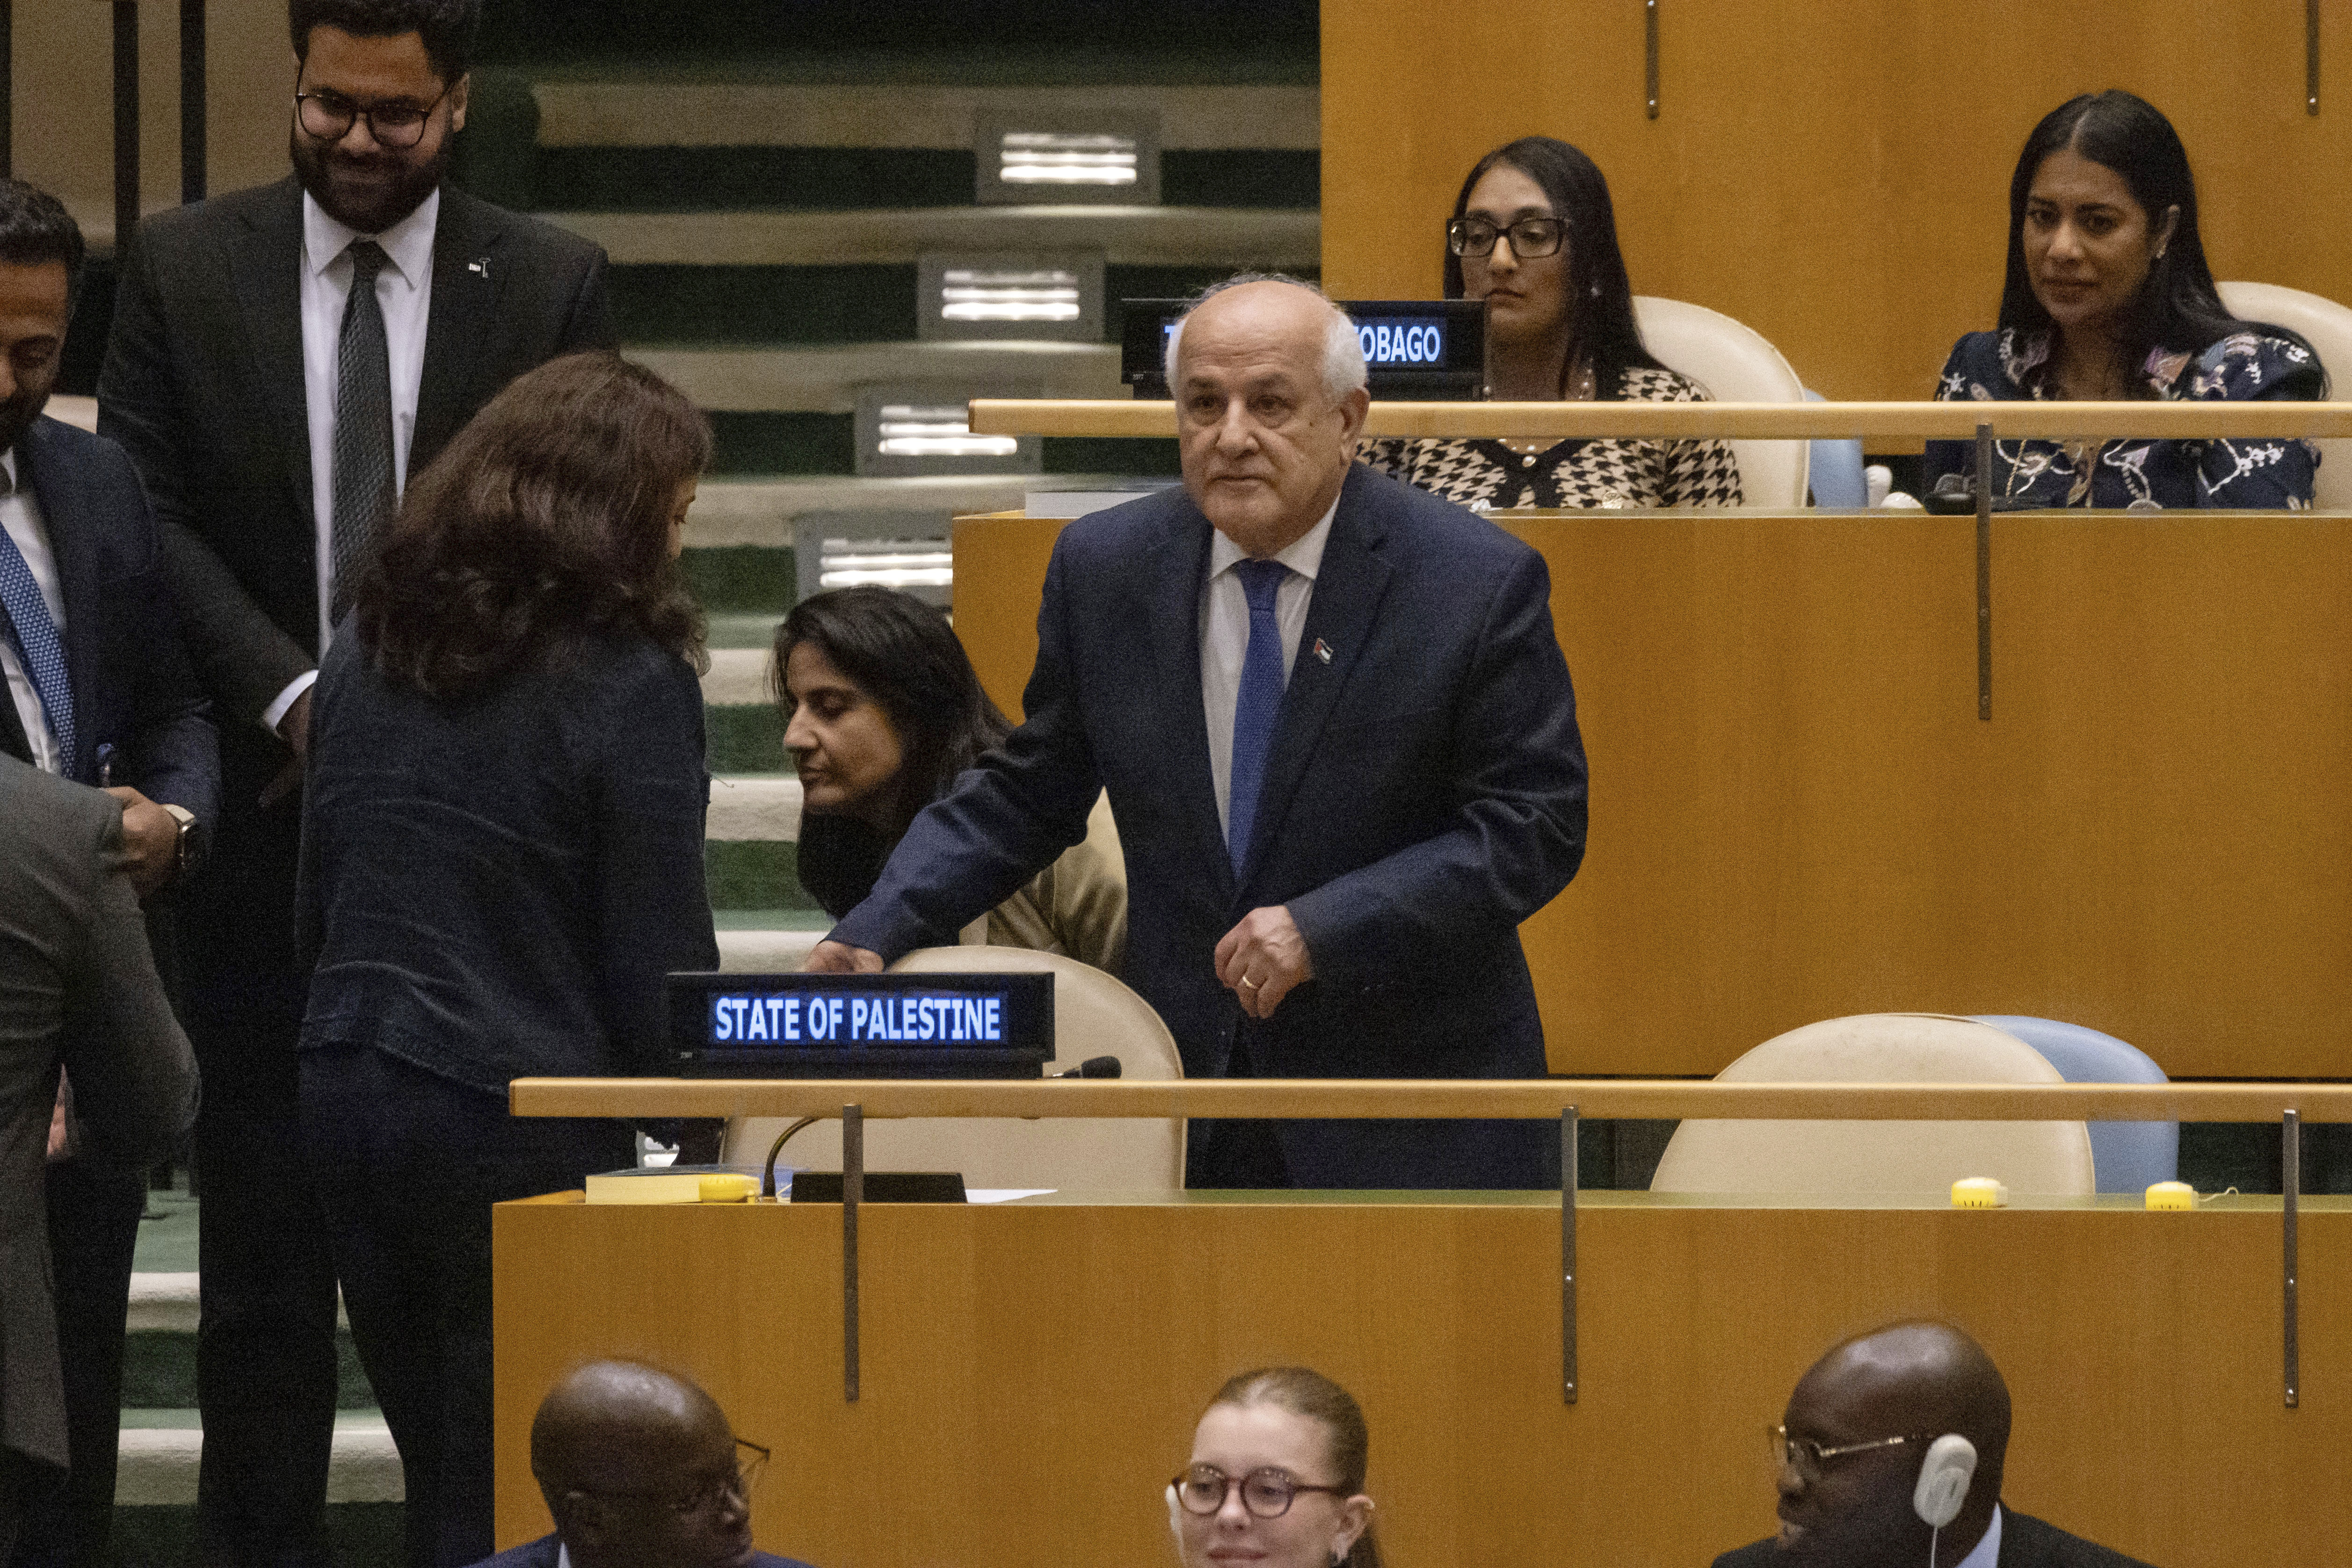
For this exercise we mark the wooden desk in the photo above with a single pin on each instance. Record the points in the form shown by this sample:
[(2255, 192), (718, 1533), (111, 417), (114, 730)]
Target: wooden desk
[(1032, 1371), (1797, 813)]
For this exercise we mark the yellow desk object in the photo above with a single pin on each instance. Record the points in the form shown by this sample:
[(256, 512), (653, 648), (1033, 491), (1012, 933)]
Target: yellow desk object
[(729, 1189), (1979, 1193), (2171, 1197)]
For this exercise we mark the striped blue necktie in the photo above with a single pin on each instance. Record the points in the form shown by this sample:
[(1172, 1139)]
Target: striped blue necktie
[(38, 647), (1256, 703)]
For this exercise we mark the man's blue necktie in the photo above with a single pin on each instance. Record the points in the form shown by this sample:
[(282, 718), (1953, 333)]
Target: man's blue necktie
[(39, 647), (1255, 704)]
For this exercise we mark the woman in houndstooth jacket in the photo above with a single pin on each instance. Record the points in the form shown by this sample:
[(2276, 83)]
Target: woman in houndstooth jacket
[(1533, 235)]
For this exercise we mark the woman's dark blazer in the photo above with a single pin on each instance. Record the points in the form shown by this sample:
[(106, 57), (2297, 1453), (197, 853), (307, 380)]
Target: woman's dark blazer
[(493, 889)]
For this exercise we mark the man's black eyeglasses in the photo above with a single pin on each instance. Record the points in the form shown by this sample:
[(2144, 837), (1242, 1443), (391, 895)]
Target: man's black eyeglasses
[(1266, 1493), (397, 124), (1529, 236), (710, 1496)]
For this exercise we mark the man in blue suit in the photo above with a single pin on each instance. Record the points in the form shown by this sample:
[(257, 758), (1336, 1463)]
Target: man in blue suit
[(640, 1469), (1339, 741), (94, 689)]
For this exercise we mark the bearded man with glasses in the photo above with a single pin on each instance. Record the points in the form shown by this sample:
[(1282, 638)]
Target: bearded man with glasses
[(282, 360), (640, 1470)]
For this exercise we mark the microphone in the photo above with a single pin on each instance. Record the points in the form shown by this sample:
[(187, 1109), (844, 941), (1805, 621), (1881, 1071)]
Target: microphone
[(1093, 1067)]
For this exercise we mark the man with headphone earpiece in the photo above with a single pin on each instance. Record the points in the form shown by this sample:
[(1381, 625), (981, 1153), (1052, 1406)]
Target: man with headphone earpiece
[(1890, 1455)]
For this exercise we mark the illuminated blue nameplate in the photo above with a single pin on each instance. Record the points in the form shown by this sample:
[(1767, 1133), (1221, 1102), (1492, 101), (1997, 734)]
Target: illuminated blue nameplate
[(861, 1026)]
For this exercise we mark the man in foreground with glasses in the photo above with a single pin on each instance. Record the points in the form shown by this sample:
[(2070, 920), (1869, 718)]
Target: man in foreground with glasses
[(1890, 1455), (640, 1470), (282, 360)]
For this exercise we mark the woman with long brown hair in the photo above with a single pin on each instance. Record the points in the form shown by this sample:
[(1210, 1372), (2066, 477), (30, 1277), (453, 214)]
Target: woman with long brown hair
[(501, 858)]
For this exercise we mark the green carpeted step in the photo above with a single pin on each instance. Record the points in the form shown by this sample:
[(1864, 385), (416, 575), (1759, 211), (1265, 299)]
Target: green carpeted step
[(693, 304), (720, 179), (753, 876), (679, 303), (745, 740), (359, 1534), (771, 443), (159, 1369), (783, 442), (1287, 239), (750, 577), (704, 179)]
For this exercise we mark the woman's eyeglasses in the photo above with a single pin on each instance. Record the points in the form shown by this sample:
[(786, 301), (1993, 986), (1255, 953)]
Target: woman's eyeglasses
[(1530, 237), (1266, 1494)]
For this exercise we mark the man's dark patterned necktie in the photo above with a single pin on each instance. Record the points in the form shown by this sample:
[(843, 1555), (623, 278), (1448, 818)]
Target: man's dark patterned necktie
[(363, 476)]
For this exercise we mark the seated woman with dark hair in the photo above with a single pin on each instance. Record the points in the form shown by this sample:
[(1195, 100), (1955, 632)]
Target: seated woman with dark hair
[(2108, 296), (1533, 235), (501, 858), (882, 709), (1276, 1476)]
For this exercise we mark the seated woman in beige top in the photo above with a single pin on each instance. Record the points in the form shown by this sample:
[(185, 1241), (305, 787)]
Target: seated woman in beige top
[(882, 709)]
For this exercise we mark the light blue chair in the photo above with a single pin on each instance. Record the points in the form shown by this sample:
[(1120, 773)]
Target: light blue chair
[(1836, 478), (2126, 1156)]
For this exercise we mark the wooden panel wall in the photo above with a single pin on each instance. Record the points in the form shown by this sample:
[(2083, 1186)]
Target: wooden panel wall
[(1835, 174), (1797, 813), (1031, 1374)]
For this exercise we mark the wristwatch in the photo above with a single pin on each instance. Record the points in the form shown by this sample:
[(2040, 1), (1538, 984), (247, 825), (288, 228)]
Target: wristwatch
[(185, 859)]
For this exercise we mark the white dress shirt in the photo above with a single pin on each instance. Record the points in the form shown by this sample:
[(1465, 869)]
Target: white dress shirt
[(1988, 1551), (404, 291), (20, 514), (1224, 638)]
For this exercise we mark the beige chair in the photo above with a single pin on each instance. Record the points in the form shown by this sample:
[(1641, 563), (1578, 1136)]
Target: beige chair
[(1836, 1159), (1736, 365), (81, 413), (1094, 1016), (2328, 328)]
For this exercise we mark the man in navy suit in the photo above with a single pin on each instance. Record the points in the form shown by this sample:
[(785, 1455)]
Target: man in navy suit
[(640, 1470), (94, 690), (1340, 743)]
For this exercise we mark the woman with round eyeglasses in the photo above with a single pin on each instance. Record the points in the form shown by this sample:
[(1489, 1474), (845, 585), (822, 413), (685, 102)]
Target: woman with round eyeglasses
[(1533, 235), (1276, 1476), (2109, 295)]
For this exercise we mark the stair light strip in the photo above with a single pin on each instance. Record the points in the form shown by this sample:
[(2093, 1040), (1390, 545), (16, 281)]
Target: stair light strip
[(972, 294), (889, 564), (908, 430), (1045, 157)]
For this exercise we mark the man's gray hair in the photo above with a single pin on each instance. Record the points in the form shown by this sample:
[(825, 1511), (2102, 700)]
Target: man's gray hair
[(1343, 352)]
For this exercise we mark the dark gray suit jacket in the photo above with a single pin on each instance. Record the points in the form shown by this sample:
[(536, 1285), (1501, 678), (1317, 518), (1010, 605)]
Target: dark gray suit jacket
[(2025, 1542), (203, 385), (79, 987), (1423, 793), (133, 688)]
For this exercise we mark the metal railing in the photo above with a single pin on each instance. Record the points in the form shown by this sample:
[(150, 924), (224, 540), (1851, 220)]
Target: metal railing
[(1959, 421), (1568, 1099)]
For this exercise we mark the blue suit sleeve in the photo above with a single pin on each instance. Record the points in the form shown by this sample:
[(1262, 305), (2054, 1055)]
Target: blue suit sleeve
[(1004, 820), (1517, 829), (175, 750)]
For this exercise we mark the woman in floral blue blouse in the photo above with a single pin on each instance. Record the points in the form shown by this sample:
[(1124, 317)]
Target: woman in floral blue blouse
[(2109, 297)]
